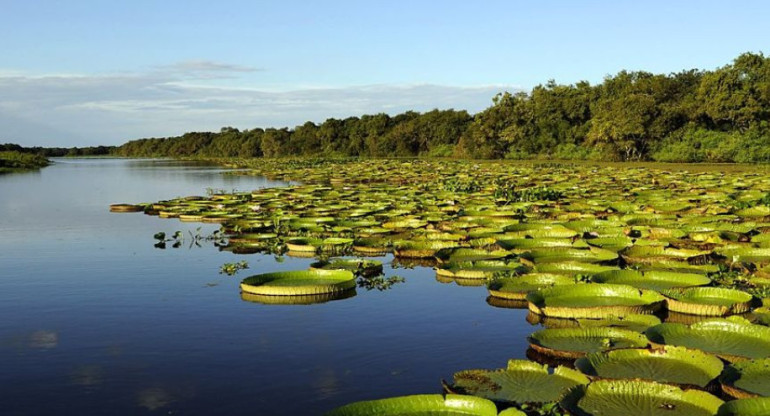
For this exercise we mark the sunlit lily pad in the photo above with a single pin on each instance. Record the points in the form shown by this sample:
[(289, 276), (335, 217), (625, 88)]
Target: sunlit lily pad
[(420, 405), (638, 398), (708, 301), (669, 364), (577, 342), (759, 406), (652, 279), (732, 339), (299, 283), (747, 379), (521, 382), (593, 301), (517, 287)]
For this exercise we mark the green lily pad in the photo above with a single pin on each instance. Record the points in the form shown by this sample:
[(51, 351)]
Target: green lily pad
[(521, 382), (577, 342), (759, 406), (299, 283), (708, 301), (669, 364), (519, 286), (559, 255), (731, 339), (479, 269), (593, 301), (421, 249), (747, 379), (573, 268), (420, 405), (638, 398), (357, 266), (651, 279), (464, 254)]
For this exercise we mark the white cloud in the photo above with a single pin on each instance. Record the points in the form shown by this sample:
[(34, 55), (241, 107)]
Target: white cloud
[(80, 110)]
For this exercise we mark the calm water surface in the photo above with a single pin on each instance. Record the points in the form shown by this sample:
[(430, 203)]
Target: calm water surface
[(95, 320)]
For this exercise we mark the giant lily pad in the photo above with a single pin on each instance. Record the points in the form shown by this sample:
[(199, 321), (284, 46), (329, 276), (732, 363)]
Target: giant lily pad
[(357, 266), (708, 301), (559, 255), (299, 283), (638, 398), (421, 249), (518, 287), (652, 279), (669, 364), (747, 379), (577, 342), (573, 268), (731, 339), (759, 406), (479, 269), (458, 255), (420, 405), (593, 301), (632, 322), (522, 382)]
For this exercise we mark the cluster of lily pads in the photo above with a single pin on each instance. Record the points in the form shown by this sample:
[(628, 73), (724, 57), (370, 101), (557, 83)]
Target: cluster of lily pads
[(650, 284)]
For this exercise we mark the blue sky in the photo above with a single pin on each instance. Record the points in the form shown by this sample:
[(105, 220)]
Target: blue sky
[(75, 73)]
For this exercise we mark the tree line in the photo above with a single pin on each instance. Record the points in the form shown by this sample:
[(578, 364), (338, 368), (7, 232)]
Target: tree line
[(694, 115), (59, 151)]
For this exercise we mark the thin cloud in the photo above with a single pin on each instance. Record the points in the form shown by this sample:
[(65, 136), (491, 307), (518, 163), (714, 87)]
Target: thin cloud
[(114, 108), (203, 69)]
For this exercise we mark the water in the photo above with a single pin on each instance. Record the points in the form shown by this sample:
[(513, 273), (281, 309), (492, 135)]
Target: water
[(95, 320)]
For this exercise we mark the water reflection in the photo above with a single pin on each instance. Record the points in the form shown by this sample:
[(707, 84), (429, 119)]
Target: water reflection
[(87, 375), (297, 300), (507, 303), (37, 340), (459, 281)]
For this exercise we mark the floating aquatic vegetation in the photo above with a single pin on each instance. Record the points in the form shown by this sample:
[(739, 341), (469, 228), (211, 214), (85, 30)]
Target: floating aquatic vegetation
[(638, 397), (574, 343), (593, 301), (669, 364), (588, 246), (733, 339), (708, 301), (747, 379), (521, 382), (419, 405), (299, 283)]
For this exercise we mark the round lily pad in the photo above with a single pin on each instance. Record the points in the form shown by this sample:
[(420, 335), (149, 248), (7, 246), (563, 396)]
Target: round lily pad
[(651, 279), (593, 301), (299, 283), (519, 286), (747, 379), (669, 364), (708, 301), (759, 406), (577, 342), (521, 382), (638, 398), (357, 266), (731, 339), (420, 405)]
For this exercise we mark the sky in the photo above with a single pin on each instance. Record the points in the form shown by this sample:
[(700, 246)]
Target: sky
[(82, 73)]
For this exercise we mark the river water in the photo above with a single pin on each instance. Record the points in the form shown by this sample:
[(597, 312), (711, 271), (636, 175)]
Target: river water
[(95, 320)]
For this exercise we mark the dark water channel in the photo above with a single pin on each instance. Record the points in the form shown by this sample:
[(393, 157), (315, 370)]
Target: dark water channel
[(95, 320)]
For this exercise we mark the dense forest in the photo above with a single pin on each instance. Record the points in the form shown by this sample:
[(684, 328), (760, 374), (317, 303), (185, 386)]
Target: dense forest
[(59, 151), (690, 116)]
